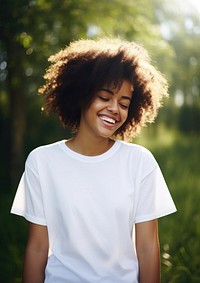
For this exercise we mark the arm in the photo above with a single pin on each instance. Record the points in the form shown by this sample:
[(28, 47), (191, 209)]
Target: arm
[(36, 254), (148, 251)]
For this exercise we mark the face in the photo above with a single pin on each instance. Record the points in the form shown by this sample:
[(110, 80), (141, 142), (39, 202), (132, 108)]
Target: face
[(108, 111)]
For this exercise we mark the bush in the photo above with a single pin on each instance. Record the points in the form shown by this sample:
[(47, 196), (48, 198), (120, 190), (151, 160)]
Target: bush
[(189, 119)]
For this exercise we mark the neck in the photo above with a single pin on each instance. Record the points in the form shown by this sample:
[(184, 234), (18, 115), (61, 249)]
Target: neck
[(90, 146)]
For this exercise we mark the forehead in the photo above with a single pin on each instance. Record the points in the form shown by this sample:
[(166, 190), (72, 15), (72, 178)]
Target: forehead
[(124, 85)]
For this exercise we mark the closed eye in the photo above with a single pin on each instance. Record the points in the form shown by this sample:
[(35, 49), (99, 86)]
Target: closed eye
[(124, 106), (103, 98)]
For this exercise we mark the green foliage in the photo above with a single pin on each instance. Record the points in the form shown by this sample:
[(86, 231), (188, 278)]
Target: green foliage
[(178, 158), (189, 119), (181, 169), (13, 237), (180, 28)]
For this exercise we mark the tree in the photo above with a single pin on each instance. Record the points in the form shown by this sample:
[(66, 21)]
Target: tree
[(179, 26)]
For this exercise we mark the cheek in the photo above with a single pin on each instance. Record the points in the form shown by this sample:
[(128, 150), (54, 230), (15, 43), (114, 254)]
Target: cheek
[(124, 116), (95, 106)]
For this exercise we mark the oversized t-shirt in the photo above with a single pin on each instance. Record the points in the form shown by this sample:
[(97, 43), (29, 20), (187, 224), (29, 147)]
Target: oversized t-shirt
[(90, 205)]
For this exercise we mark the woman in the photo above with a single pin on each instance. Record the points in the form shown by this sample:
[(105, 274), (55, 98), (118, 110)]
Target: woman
[(92, 201)]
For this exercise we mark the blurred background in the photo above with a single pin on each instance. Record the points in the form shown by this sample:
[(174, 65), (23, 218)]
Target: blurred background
[(30, 31)]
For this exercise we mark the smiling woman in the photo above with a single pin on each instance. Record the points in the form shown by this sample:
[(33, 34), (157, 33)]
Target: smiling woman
[(87, 66), (93, 201), (106, 113)]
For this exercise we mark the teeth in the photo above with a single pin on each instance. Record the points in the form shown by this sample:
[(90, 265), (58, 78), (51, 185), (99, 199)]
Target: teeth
[(107, 119)]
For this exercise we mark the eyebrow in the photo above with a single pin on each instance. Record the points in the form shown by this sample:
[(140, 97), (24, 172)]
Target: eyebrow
[(111, 92)]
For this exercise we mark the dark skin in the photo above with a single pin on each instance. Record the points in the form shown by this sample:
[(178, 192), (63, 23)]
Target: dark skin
[(36, 254), (148, 251)]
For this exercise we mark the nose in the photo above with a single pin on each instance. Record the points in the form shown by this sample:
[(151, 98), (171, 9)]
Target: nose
[(113, 106)]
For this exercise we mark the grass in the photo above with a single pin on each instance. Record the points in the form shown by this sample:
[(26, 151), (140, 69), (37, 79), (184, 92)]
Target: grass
[(12, 240), (178, 157)]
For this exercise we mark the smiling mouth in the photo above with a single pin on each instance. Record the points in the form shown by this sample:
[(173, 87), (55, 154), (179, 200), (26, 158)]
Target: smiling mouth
[(108, 120)]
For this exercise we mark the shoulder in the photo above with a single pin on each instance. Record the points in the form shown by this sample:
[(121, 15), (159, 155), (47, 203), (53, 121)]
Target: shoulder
[(43, 152), (136, 149), (139, 154)]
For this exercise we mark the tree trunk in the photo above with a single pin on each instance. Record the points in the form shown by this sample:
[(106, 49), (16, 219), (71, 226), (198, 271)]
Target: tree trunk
[(17, 99), (17, 133)]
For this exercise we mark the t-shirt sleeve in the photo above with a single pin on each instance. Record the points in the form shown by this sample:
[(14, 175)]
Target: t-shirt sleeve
[(153, 199), (28, 201)]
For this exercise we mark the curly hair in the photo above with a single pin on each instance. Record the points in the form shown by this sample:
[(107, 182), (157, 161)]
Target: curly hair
[(77, 72)]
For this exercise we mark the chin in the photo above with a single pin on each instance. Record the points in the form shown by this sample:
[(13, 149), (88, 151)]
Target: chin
[(106, 135)]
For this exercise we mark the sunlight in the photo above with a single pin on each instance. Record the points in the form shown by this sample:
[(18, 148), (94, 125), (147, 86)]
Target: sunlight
[(195, 4), (189, 6)]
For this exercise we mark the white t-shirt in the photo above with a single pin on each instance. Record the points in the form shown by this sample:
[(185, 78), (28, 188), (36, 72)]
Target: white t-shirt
[(90, 205)]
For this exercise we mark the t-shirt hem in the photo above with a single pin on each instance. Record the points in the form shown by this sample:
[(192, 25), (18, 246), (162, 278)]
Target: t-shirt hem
[(154, 216), (29, 217)]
